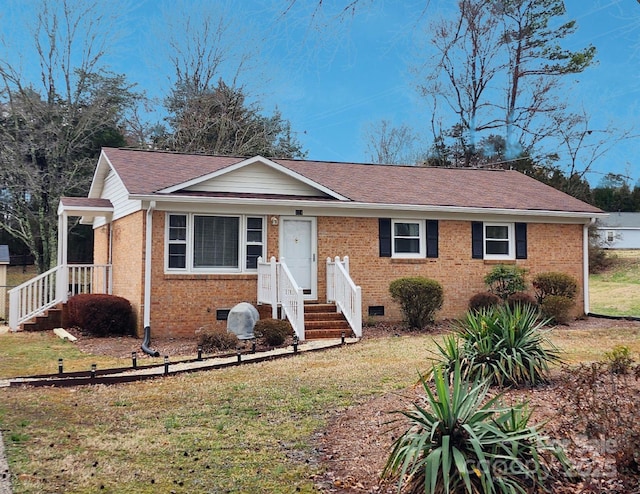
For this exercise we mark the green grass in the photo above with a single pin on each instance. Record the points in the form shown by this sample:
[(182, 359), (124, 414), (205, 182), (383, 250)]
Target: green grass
[(31, 353), (616, 291), (243, 429), (16, 275)]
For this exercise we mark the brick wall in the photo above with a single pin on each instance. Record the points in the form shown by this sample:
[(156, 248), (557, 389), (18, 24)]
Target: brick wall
[(182, 303), (127, 259), (551, 247)]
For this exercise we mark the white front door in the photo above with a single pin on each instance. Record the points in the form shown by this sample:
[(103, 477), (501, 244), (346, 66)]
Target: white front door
[(298, 248)]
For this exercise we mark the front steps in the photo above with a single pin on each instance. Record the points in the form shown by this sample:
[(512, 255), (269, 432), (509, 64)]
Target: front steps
[(51, 319), (324, 321)]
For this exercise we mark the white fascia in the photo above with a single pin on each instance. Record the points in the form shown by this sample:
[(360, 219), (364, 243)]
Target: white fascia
[(372, 210)]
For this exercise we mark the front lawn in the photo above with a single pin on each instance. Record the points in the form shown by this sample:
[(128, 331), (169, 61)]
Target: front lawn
[(616, 290), (245, 429)]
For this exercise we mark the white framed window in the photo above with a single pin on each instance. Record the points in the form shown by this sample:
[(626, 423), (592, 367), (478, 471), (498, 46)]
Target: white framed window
[(213, 243), (499, 241), (407, 238), (610, 236)]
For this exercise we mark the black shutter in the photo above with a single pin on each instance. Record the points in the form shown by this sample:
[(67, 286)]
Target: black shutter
[(432, 238), (477, 239), (521, 240), (384, 236)]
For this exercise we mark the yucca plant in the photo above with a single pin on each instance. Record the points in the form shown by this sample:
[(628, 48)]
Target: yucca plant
[(462, 441), (507, 345)]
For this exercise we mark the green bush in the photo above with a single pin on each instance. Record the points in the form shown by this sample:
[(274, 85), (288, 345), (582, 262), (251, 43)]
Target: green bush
[(101, 314), (503, 344), (213, 340), (557, 308), (419, 299), (483, 300), (273, 332), (464, 441), (521, 298), (552, 283), (619, 360), (505, 280)]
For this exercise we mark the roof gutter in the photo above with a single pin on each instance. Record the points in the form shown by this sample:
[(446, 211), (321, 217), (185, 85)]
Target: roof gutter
[(147, 264), (301, 203), (585, 264), (147, 282)]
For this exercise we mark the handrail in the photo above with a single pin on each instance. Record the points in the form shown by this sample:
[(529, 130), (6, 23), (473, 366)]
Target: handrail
[(268, 284), (344, 293), (35, 296), (292, 299)]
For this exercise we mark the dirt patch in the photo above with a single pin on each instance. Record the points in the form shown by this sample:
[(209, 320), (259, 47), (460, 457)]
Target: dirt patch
[(122, 346)]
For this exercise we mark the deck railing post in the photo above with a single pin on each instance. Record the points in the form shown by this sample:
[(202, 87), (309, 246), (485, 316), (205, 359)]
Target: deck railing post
[(273, 267)]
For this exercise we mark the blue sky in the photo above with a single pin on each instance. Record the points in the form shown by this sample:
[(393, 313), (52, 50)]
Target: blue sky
[(333, 78)]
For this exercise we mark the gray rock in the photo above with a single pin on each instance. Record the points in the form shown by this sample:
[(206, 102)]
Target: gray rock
[(241, 320)]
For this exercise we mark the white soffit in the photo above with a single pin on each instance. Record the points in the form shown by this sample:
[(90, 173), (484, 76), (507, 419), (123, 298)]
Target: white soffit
[(256, 175)]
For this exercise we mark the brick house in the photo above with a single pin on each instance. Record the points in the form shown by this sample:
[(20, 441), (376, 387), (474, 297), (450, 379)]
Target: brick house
[(183, 234)]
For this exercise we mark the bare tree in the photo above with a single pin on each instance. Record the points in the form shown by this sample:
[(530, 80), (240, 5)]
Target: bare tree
[(498, 67), (466, 64), (209, 109), (51, 129), (582, 146), (387, 144)]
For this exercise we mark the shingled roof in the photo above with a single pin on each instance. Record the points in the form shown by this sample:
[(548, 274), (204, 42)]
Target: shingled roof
[(150, 172)]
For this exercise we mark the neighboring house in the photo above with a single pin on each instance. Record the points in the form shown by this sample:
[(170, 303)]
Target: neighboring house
[(619, 231), (183, 233)]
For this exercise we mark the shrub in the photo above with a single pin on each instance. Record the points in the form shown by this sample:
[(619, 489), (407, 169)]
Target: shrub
[(213, 340), (483, 300), (100, 314), (505, 280), (552, 283), (273, 332), (458, 440), (557, 308), (521, 298), (419, 299), (505, 345), (619, 359)]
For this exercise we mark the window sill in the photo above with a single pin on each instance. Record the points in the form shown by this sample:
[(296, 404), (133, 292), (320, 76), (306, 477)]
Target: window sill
[(210, 276), (492, 262), (412, 260)]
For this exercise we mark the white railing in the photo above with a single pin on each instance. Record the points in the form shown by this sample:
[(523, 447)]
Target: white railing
[(342, 291), (268, 285), (46, 290), (277, 287), (291, 299)]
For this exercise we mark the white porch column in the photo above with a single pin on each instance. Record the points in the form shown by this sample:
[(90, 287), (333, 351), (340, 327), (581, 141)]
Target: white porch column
[(62, 276)]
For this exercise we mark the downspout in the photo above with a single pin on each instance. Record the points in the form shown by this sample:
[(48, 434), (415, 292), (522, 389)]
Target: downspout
[(585, 264), (147, 284)]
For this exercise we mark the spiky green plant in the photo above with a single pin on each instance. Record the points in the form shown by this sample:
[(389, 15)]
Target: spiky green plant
[(507, 345), (462, 441)]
